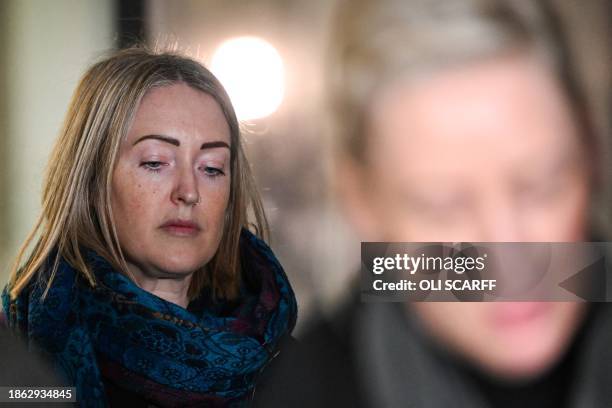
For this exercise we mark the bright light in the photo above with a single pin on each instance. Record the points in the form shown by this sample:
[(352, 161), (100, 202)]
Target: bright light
[(251, 70)]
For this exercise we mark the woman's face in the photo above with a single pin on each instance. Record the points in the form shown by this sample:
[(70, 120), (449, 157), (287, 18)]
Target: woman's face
[(487, 152), (171, 183)]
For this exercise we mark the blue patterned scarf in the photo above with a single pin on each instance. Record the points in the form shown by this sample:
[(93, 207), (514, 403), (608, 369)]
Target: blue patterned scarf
[(209, 354)]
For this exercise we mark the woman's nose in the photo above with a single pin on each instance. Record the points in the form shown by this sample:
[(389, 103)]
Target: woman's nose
[(186, 189), (501, 222)]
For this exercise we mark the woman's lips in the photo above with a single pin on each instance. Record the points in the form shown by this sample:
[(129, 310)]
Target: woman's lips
[(181, 228), (516, 314)]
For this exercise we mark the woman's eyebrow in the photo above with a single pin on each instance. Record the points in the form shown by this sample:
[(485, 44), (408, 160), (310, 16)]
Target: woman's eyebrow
[(176, 142), (166, 139), (212, 145)]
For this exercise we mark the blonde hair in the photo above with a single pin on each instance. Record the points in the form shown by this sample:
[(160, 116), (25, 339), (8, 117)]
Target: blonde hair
[(76, 212), (375, 43)]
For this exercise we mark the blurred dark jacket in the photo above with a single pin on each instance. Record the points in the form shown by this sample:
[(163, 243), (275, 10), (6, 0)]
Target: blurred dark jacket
[(22, 368), (374, 355)]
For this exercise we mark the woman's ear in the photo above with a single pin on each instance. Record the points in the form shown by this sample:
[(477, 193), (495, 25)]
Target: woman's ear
[(356, 198)]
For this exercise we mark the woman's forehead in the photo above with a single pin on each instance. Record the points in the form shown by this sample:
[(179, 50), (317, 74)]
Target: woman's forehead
[(500, 106), (180, 112)]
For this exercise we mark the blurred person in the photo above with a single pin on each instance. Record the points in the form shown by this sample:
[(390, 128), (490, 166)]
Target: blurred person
[(458, 121), (145, 286)]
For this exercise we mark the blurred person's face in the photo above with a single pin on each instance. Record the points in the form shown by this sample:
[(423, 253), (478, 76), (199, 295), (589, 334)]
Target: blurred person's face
[(171, 184), (487, 152)]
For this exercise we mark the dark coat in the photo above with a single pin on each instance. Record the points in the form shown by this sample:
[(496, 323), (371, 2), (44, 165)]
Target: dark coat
[(371, 355)]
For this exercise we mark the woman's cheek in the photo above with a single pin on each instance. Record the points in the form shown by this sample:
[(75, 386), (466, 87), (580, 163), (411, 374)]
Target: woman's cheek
[(143, 193)]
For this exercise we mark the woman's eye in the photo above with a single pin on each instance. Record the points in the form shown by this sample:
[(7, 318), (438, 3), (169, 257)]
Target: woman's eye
[(152, 165), (213, 171), (540, 192)]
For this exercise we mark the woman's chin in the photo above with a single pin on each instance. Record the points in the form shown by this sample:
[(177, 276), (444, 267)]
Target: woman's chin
[(530, 338), (181, 267), (523, 359), (176, 265)]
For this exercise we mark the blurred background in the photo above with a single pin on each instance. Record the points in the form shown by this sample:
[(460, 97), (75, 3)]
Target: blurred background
[(270, 55)]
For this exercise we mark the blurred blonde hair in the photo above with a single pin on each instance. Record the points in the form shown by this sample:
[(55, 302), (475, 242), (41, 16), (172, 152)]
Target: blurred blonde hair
[(375, 43), (76, 208)]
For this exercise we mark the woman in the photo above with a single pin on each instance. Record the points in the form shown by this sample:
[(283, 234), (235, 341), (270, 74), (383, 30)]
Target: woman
[(458, 121), (144, 284)]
